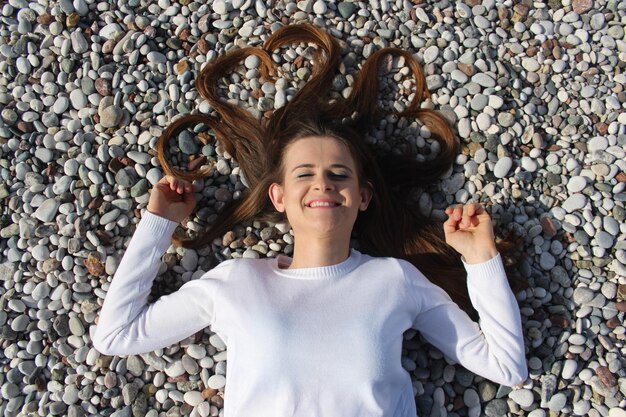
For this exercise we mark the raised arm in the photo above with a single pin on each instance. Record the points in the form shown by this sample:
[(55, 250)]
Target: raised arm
[(127, 323), (495, 349)]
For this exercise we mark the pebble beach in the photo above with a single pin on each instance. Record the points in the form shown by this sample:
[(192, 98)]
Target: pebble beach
[(535, 91)]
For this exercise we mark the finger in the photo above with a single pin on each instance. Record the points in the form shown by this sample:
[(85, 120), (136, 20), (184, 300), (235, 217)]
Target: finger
[(463, 217), (458, 212), (449, 226)]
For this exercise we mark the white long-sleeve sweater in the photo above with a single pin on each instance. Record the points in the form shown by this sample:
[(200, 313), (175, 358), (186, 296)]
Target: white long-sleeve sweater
[(323, 341)]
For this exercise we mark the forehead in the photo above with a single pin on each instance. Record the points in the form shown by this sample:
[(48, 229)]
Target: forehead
[(318, 149)]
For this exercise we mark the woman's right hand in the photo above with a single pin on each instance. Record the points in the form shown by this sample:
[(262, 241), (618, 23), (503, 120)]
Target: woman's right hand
[(172, 198)]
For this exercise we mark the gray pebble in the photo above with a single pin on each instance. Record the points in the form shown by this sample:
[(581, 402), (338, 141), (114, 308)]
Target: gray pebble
[(522, 397), (502, 167)]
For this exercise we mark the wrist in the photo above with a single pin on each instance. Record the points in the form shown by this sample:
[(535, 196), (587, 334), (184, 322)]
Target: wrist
[(158, 213), (477, 257)]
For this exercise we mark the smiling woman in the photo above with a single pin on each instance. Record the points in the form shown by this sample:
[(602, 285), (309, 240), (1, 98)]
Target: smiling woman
[(325, 325), (321, 193)]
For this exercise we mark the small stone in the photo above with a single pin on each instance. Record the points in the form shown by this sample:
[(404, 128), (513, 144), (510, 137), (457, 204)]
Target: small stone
[(193, 398), (346, 9), (522, 397), (319, 7), (582, 295), (502, 167), (557, 402), (103, 86), (574, 202), (606, 377), (576, 184), (582, 6), (497, 408), (547, 261), (111, 116), (569, 369)]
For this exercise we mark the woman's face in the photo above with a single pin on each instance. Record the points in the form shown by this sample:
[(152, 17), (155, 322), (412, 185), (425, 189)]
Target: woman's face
[(320, 192)]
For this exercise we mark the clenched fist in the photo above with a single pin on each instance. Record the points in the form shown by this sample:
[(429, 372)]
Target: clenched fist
[(470, 232), (172, 198)]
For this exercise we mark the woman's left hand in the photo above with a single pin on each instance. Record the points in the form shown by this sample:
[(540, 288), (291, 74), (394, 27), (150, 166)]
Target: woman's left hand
[(470, 232)]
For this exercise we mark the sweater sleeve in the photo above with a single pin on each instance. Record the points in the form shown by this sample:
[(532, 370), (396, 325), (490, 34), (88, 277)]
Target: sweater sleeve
[(495, 349), (127, 323)]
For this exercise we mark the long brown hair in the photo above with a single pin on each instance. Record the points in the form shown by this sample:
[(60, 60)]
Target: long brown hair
[(392, 225)]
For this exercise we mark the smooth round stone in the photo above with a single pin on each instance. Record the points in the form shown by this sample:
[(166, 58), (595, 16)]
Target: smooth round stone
[(470, 398), (111, 31), (582, 295), (502, 167), (319, 7), (217, 381), (483, 80), (611, 226), (193, 398), (604, 239), (190, 365), (76, 326), (175, 369), (546, 261), (569, 369), (219, 7), (204, 409), (465, 127), (430, 54), (459, 76), (522, 397), (70, 396), (61, 105), (196, 351), (530, 64), (577, 339), (111, 116), (617, 412), (495, 101), (479, 102), (251, 62), (581, 408), (496, 408), (480, 156), (156, 57), (78, 99), (41, 291), (576, 184), (20, 323), (557, 402), (574, 202), (10, 390), (41, 252), (529, 164), (599, 143)]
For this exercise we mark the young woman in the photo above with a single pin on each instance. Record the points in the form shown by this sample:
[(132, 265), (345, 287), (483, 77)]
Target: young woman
[(319, 333)]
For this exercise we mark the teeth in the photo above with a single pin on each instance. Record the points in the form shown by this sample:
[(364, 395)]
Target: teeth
[(322, 204)]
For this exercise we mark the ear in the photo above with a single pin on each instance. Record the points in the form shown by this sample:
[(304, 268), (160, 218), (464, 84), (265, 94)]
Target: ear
[(366, 196), (276, 195)]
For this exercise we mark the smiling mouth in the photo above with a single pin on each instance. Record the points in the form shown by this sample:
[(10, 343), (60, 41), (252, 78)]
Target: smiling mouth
[(316, 204)]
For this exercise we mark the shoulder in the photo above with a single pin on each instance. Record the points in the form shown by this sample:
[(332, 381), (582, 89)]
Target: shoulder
[(394, 266), (239, 264)]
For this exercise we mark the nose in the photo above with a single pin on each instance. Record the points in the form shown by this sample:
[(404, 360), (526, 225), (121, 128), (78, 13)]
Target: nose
[(323, 183)]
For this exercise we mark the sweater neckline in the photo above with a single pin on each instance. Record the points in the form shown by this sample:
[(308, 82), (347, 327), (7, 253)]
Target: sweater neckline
[(316, 273)]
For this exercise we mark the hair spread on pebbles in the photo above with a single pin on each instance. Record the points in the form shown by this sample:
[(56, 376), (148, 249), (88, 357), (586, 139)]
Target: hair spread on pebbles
[(392, 225)]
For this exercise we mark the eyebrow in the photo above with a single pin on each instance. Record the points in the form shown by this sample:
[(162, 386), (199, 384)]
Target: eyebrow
[(332, 166)]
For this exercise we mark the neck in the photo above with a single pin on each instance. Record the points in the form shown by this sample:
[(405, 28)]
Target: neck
[(314, 253)]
